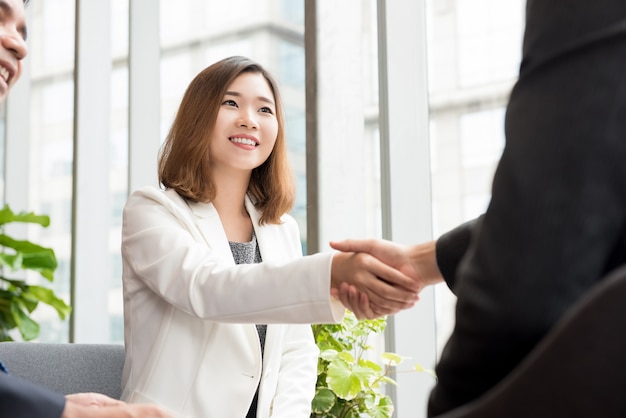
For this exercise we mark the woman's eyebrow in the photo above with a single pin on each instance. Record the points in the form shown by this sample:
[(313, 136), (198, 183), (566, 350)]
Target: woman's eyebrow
[(261, 98), (265, 99)]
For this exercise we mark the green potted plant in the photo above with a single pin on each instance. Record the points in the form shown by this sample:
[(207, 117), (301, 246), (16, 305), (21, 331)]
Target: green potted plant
[(18, 299), (349, 384)]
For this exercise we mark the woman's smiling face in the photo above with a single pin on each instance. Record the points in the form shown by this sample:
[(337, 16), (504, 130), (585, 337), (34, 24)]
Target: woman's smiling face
[(246, 127), (12, 43)]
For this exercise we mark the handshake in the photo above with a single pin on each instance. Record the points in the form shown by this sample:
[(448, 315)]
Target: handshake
[(375, 277)]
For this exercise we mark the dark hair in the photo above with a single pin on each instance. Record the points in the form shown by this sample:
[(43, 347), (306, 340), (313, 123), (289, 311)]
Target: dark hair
[(184, 160)]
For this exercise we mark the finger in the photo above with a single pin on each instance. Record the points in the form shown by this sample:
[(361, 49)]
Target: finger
[(380, 311), (387, 301), (93, 399), (394, 277), (360, 304), (342, 294), (353, 245), (385, 307), (353, 300), (151, 411), (365, 308)]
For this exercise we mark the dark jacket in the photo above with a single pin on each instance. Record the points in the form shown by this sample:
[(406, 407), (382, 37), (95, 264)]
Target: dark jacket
[(556, 223), (21, 399)]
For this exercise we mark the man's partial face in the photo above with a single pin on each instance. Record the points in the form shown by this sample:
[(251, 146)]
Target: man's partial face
[(12, 43)]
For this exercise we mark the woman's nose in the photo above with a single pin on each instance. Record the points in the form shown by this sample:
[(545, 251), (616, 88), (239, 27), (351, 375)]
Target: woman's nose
[(14, 43), (248, 120)]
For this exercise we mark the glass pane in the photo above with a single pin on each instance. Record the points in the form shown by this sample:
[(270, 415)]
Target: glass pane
[(51, 119), (118, 160), (51, 56), (474, 49)]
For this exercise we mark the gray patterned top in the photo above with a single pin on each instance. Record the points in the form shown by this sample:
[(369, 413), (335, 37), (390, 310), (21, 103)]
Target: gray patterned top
[(249, 253)]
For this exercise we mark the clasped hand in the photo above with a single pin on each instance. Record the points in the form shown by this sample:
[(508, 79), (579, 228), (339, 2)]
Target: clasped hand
[(374, 277)]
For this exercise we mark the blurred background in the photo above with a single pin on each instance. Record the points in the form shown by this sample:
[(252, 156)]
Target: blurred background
[(394, 113)]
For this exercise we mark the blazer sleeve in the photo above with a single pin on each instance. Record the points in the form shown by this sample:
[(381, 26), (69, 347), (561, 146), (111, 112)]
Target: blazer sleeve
[(164, 250), (22, 399)]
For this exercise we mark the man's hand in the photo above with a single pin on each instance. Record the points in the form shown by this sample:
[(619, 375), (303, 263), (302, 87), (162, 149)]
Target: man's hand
[(92, 399), (96, 405), (417, 262), (387, 290)]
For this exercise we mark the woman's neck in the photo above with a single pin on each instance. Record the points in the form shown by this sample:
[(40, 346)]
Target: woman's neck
[(230, 193), (229, 202)]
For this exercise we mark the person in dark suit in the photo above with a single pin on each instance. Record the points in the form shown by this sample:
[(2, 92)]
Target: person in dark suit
[(556, 223), (22, 399), (19, 398)]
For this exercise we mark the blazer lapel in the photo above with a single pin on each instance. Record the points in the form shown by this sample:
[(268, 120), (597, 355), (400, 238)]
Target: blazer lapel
[(271, 244), (210, 226)]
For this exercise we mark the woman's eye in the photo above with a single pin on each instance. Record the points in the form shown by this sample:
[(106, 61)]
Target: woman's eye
[(229, 103), (266, 110)]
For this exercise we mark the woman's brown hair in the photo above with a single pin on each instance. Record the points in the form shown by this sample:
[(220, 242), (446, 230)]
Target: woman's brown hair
[(184, 161)]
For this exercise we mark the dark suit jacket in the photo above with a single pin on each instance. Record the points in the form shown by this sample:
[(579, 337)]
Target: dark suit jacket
[(556, 224), (21, 399)]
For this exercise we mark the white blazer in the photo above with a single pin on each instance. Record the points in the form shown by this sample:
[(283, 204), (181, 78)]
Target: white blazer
[(189, 312)]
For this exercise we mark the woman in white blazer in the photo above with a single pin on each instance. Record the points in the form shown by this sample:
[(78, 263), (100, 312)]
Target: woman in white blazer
[(210, 330)]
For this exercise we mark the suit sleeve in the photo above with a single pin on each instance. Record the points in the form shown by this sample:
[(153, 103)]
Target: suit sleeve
[(451, 247), (22, 399)]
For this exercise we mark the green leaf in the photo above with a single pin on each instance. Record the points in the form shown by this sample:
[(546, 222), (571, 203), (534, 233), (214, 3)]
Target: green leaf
[(40, 260), (27, 301), (323, 401), (7, 216), (371, 365), (11, 261), (28, 256), (27, 327), (420, 368), (387, 379), (346, 356), (6, 317), (47, 296), (342, 369), (15, 283), (392, 358), (329, 355), (366, 375), (17, 298), (23, 246), (342, 380), (352, 413), (381, 408)]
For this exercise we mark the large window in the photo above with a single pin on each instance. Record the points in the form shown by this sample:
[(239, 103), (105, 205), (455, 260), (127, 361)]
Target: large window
[(49, 118), (473, 51)]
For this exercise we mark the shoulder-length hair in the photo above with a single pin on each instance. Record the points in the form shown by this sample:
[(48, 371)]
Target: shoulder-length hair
[(184, 160)]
